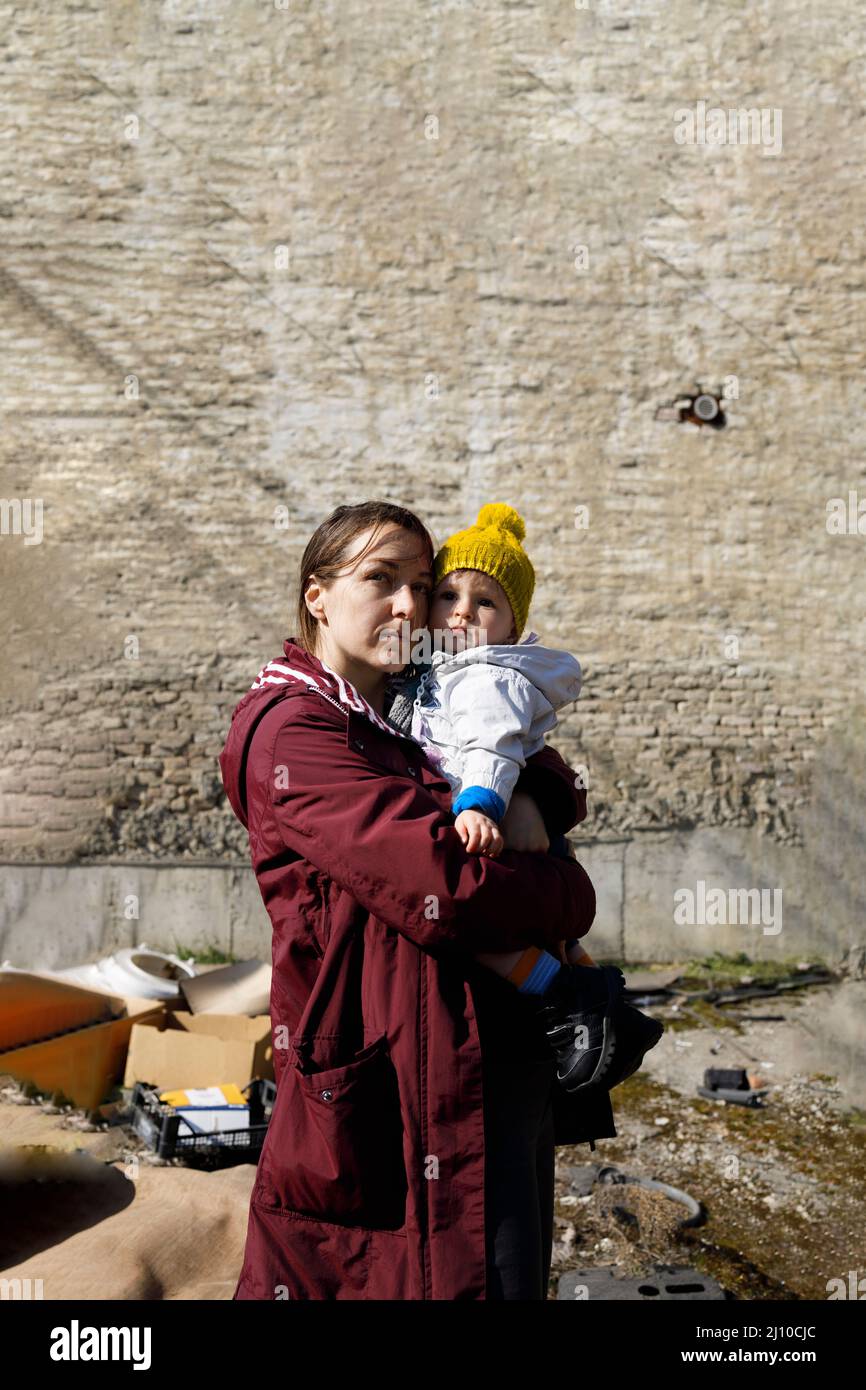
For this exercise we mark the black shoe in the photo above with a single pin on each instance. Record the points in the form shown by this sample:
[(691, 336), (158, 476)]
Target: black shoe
[(634, 1033), (598, 1039), (576, 1014)]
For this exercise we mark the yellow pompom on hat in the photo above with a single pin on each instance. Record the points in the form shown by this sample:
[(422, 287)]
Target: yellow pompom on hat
[(493, 546)]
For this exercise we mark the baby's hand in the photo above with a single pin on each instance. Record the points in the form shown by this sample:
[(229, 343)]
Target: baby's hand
[(480, 834)]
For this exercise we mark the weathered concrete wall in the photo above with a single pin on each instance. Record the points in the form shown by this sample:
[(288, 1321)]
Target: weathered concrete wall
[(432, 332), (53, 916)]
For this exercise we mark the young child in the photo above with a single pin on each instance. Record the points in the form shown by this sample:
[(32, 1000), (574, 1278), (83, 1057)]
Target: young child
[(479, 711)]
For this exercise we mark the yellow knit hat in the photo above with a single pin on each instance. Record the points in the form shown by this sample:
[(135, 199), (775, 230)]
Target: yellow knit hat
[(493, 546)]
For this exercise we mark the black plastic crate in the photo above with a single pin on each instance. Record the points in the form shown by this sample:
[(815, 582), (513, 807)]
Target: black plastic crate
[(159, 1125)]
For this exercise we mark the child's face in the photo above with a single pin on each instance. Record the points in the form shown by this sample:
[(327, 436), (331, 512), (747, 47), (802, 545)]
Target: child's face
[(470, 604)]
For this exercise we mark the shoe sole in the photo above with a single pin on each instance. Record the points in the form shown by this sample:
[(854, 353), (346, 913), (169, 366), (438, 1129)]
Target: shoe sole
[(603, 1068)]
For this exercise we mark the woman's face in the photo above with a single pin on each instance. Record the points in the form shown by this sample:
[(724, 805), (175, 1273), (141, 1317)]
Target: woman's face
[(361, 613)]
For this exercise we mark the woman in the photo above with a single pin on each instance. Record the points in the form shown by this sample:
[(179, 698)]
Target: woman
[(400, 1162)]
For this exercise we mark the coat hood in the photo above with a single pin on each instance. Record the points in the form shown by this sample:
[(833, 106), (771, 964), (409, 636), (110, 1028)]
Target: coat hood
[(556, 674), (294, 673)]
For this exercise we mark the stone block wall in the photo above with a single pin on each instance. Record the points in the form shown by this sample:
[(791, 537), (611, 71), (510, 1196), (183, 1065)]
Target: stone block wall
[(259, 260)]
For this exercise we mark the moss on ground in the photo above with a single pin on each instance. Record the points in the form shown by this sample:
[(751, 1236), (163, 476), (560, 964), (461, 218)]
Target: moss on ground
[(757, 1243)]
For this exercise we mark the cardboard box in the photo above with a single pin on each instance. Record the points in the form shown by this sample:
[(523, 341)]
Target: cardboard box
[(177, 1050), (64, 1038), (242, 988)]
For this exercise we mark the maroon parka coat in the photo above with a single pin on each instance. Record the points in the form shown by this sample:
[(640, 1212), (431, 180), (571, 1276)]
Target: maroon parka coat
[(370, 1184)]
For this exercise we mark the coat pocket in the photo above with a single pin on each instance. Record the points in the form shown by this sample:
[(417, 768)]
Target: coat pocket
[(334, 1148)]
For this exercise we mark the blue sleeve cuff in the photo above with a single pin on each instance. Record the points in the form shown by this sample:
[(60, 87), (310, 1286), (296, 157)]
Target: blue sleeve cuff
[(482, 799)]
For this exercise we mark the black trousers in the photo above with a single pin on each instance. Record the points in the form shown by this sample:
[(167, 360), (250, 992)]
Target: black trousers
[(518, 1170), (520, 1147)]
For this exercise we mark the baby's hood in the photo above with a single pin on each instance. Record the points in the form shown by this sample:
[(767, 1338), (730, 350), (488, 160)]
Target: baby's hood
[(556, 674)]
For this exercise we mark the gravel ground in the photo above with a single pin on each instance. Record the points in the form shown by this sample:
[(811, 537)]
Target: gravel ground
[(783, 1186)]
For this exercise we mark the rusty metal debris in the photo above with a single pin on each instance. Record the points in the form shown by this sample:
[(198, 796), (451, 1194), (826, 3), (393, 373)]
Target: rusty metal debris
[(667, 992)]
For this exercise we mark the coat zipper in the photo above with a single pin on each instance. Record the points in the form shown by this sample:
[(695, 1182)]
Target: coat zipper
[(332, 701), (423, 1213), (342, 708), (423, 1208)]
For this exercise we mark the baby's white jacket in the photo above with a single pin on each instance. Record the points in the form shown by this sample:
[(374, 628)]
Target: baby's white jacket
[(480, 713)]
